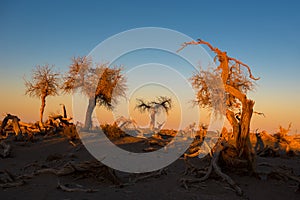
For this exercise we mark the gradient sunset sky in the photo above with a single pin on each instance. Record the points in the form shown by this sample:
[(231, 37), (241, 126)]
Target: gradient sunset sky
[(263, 34)]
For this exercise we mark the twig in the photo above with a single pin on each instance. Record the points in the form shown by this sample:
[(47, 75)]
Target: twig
[(72, 143)]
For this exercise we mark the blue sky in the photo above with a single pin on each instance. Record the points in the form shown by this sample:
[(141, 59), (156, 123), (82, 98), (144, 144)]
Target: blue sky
[(263, 34)]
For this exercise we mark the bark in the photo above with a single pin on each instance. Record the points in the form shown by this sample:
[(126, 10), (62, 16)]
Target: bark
[(88, 116), (234, 123), (243, 142), (42, 109)]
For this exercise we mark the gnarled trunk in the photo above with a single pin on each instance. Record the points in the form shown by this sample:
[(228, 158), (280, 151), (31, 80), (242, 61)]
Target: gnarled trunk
[(234, 123), (243, 142), (88, 116), (241, 132)]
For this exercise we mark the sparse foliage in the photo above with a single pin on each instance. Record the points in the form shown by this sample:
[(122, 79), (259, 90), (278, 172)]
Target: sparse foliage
[(154, 107), (102, 85), (44, 82), (236, 83)]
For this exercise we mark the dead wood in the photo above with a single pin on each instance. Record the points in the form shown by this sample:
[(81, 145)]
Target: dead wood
[(281, 172), (149, 149), (144, 176), (15, 124), (5, 149), (214, 167), (67, 188), (8, 180), (64, 111), (93, 169), (239, 108), (63, 120)]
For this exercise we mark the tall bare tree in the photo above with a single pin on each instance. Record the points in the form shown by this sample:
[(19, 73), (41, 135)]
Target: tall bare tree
[(102, 85), (154, 107), (239, 108), (44, 82)]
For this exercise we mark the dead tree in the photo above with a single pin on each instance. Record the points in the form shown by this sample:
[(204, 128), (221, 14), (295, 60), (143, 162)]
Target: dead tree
[(64, 111), (15, 123), (44, 83), (259, 146), (239, 108), (154, 107), (102, 85)]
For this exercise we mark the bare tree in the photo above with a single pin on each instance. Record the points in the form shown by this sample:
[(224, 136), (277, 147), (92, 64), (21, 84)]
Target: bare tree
[(154, 107), (102, 85), (239, 108), (45, 82)]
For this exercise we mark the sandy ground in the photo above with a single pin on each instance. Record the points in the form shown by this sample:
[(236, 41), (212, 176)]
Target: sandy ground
[(57, 151)]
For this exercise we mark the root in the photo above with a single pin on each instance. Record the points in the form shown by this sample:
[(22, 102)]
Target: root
[(214, 167), (147, 176), (92, 169), (281, 172), (66, 188), (8, 180)]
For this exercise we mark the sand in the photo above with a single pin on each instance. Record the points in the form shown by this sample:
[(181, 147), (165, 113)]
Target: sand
[(56, 151)]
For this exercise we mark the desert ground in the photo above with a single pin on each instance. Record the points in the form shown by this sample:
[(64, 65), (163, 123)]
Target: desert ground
[(55, 165)]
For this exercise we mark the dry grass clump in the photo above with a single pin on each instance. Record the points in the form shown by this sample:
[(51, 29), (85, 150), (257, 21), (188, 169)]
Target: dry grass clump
[(112, 131)]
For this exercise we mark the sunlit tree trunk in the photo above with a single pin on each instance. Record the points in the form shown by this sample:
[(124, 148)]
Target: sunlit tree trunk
[(88, 116), (234, 123), (243, 142), (42, 109)]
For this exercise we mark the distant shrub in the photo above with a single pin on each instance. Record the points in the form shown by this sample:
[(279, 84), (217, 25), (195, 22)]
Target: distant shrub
[(112, 131)]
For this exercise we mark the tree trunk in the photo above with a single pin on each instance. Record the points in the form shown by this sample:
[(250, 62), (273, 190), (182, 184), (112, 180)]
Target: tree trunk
[(152, 118), (243, 142), (234, 123), (88, 116), (43, 105)]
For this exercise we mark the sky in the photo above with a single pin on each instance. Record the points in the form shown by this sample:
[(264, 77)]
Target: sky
[(263, 34)]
